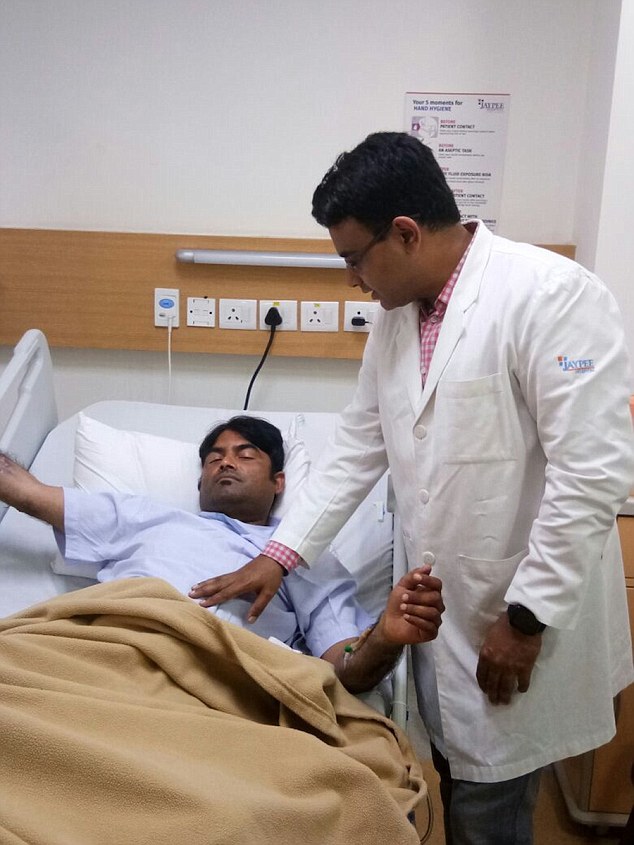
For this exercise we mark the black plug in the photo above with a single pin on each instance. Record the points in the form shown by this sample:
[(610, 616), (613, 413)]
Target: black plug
[(273, 317), (359, 321)]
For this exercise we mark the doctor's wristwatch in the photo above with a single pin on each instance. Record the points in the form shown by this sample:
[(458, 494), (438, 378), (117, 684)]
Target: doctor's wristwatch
[(524, 620)]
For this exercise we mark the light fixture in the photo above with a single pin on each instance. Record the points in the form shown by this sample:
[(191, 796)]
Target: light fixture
[(247, 258)]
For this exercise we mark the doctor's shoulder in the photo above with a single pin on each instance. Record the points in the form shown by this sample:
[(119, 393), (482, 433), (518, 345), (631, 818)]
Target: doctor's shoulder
[(532, 274)]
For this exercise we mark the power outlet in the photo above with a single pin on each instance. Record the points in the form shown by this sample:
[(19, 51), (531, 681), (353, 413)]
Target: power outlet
[(288, 312), (201, 311), (237, 314), (359, 311), (166, 306), (320, 316)]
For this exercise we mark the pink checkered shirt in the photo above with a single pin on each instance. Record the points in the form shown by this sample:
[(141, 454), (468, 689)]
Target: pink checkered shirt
[(431, 318), (430, 323), (280, 553)]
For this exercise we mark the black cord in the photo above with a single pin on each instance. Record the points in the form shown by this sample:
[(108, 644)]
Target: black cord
[(273, 319)]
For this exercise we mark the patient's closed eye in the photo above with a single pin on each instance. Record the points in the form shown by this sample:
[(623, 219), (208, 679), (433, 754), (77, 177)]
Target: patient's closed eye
[(244, 453)]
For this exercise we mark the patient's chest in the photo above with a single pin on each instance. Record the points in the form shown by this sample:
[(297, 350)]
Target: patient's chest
[(136, 537)]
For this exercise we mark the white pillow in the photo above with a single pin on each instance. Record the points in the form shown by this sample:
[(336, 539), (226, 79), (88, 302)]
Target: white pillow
[(111, 459), (168, 470)]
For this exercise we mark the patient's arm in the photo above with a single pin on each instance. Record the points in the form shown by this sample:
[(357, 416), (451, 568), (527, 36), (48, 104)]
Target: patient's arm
[(412, 615), (24, 492)]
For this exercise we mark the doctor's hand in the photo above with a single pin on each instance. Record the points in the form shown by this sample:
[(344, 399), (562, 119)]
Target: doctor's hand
[(414, 608), (506, 661), (262, 575)]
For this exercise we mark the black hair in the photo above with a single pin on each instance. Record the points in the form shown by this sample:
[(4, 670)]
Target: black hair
[(387, 175), (260, 433)]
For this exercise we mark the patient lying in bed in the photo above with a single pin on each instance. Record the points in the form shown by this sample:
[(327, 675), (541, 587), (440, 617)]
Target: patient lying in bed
[(241, 475), (130, 714)]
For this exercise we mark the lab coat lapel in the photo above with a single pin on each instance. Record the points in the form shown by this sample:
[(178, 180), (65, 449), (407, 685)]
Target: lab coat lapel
[(463, 297), (407, 347)]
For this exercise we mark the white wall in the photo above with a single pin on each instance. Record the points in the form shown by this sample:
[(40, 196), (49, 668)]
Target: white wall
[(615, 245), (220, 116), (218, 381), (595, 132)]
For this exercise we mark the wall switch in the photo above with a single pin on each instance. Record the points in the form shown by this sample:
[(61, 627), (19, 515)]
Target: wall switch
[(288, 312), (363, 313), (320, 316), (201, 311), (237, 314), (166, 301)]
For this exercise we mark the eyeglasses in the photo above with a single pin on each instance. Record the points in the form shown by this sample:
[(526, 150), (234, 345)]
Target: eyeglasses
[(353, 260)]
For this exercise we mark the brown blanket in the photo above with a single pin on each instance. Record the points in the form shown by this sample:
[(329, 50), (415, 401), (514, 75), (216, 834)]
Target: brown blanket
[(130, 715)]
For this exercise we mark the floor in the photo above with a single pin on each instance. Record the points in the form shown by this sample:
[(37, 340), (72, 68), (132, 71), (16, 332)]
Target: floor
[(553, 824)]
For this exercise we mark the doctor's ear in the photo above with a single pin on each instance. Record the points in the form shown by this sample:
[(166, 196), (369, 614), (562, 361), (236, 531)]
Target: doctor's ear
[(408, 230), (198, 485)]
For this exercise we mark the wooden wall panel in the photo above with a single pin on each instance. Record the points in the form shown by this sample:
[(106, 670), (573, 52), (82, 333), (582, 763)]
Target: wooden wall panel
[(96, 290)]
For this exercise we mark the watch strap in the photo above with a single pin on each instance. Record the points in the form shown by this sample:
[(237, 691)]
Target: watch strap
[(524, 620)]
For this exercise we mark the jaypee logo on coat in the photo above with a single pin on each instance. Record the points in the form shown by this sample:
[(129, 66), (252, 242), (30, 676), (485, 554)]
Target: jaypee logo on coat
[(578, 365)]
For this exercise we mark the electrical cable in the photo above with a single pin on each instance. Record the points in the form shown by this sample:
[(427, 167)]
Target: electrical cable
[(170, 322), (273, 319)]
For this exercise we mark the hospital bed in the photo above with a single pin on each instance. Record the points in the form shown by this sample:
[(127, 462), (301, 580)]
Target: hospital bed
[(116, 438)]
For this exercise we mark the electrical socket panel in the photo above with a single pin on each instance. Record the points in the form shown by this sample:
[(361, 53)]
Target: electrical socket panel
[(320, 316), (166, 306), (201, 311), (364, 310), (237, 314), (288, 312)]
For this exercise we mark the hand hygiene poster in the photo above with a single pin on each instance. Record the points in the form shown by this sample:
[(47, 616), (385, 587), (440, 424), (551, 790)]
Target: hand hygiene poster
[(467, 134)]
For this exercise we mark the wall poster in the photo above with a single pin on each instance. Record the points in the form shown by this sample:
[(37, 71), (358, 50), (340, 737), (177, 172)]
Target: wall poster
[(467, 134)]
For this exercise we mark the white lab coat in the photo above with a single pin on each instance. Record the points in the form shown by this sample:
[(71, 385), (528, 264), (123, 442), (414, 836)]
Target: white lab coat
[(508, 468)]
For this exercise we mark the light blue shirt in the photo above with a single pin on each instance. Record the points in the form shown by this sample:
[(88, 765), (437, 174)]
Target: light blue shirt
[(132, 536)]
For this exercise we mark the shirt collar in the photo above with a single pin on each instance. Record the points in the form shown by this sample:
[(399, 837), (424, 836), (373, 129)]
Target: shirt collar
[(242, 528), (442, 300)]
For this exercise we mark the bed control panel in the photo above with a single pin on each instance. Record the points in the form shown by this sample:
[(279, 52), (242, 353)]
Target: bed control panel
[(166, 306)]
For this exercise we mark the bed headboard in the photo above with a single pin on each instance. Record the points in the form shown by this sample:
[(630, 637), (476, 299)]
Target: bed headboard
[(27, 400), (86, 270)]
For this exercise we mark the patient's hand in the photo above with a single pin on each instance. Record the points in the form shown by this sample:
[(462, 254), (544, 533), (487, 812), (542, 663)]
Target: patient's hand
[(262, 575), (412, 615), (414, 609), (24, 492)]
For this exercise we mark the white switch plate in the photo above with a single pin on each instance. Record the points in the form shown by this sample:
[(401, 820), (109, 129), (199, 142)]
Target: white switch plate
[(366, 310), (288, 312), (237, 314), (320, 316), (166, 302), (201, 311)]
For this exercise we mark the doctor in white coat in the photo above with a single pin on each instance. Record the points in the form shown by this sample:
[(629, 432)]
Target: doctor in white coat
[(495, 387)]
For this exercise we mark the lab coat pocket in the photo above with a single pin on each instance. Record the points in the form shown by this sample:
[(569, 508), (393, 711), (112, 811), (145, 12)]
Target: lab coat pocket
[(474, 424), (484, 585)]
